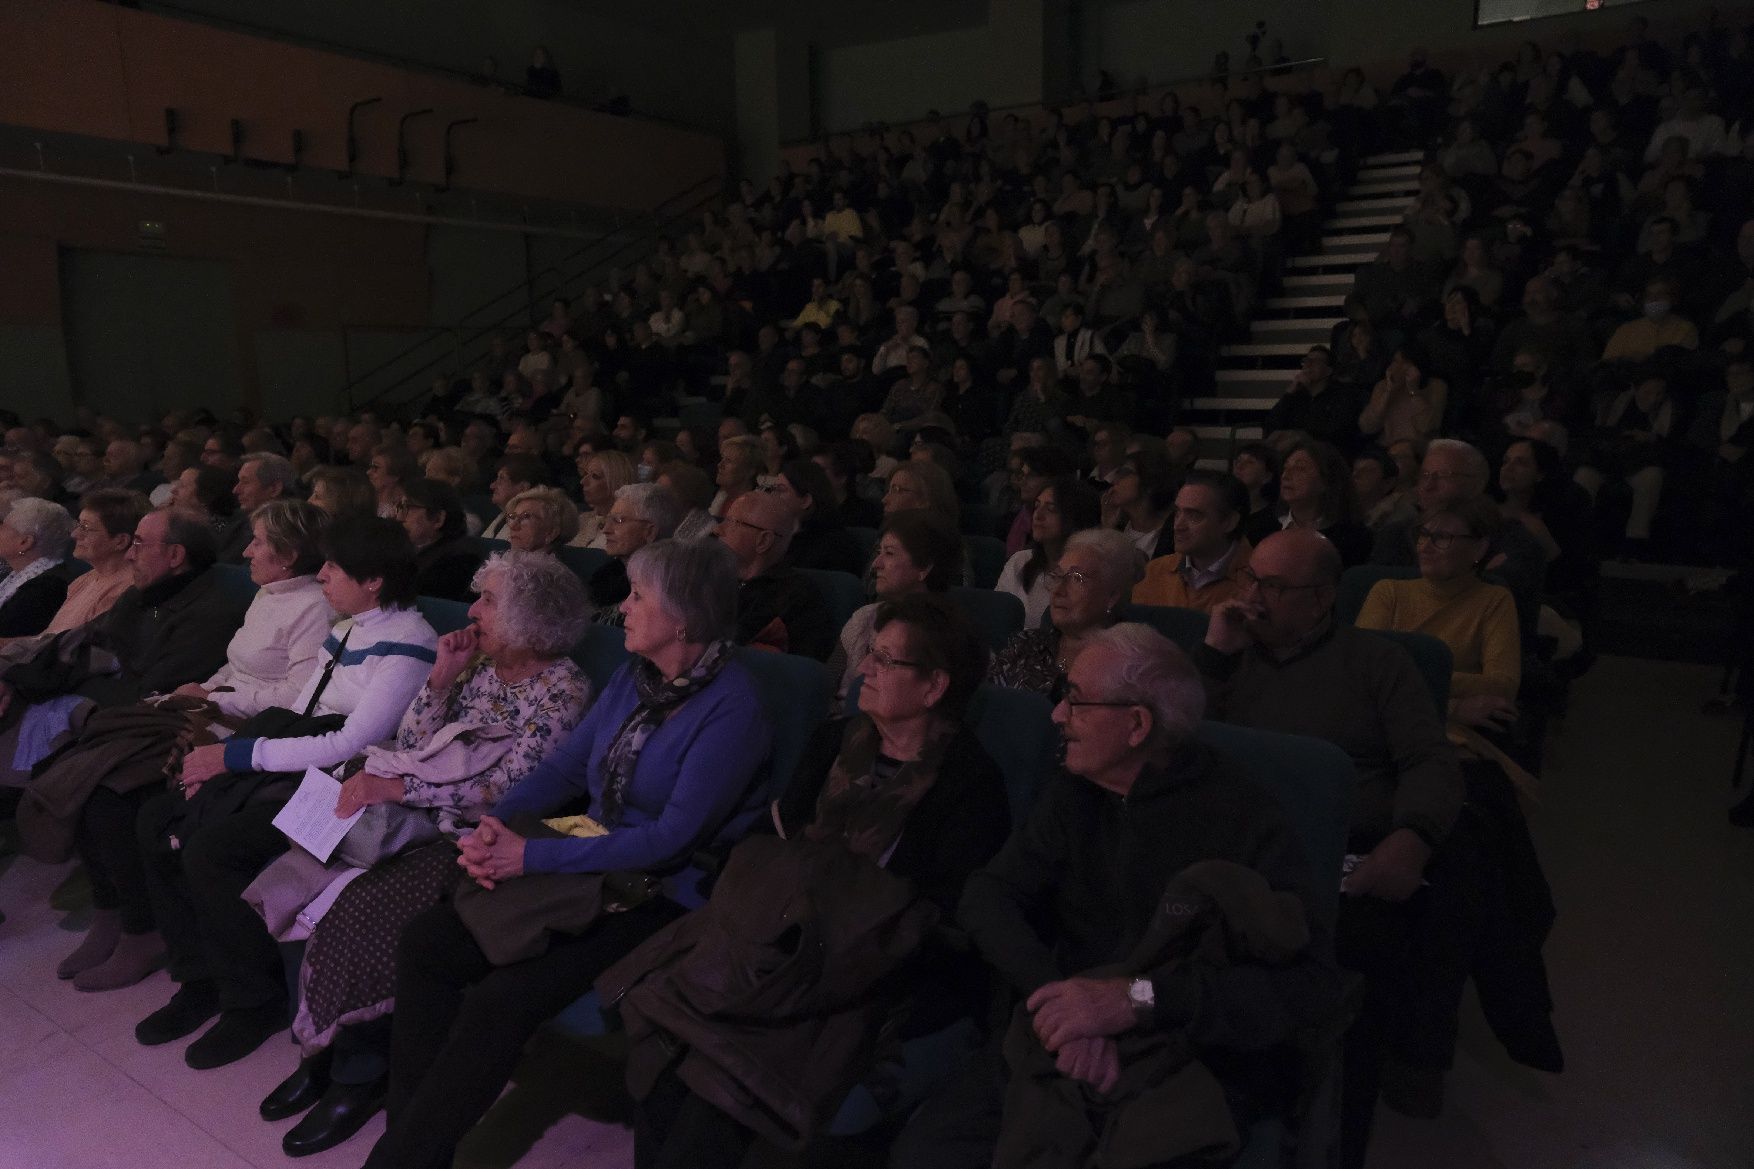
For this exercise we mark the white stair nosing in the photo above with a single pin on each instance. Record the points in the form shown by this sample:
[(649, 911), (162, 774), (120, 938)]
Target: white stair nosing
[(1278, 377), (1394, 187), (1387, 203), (1319, 280), (1293, 324), (1342, 242), (1394, 156), (1264, 349), (1353, 223), (1398, 170), (1230, 403), (1297, 302), (1333, 260), (1244, 433)]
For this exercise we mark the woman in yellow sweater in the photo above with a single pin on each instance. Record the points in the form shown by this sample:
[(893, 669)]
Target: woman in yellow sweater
[(1450, 602)]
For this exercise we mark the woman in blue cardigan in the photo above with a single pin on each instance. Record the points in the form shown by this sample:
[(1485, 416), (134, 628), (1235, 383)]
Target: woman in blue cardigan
[(667, 759)]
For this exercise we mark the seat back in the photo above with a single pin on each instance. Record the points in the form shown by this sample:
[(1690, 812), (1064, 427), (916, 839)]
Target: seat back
[(599, 653), (1185, 627), (866, 541), (842, 592), (1432, 657), (986, 559), (1016, 728), (1356, 583), (1314, 781), (995, 616), (794, 692), (444, 616), (235, 583), (583, 561), (482, 546)]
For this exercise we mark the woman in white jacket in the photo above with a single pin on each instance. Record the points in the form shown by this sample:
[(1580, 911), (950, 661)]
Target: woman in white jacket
[(268, 660), (372, 664)]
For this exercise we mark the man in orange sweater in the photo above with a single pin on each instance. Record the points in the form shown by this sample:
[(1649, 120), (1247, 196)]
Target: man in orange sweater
[(1210, 552)]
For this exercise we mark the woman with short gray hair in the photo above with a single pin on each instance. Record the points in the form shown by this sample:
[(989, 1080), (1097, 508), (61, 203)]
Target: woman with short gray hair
[(666, 758), (1093, 579), (507, 668), (642, 513), (35, 538)]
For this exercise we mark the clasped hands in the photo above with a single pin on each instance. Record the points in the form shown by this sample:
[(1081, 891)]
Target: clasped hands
[(1076, 1019), (492, 853)]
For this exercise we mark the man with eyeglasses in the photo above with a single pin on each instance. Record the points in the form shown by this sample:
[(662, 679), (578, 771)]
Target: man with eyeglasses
[(1275, 658), (1061, 912), (778, 607), (171, 627)]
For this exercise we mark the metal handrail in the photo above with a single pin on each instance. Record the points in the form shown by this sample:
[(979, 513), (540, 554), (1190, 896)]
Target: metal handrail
[(439, 331), (1043, 104), (455, 334)]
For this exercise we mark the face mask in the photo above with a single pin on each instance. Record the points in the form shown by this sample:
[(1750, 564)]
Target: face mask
[(643, 473), (1655, 309)]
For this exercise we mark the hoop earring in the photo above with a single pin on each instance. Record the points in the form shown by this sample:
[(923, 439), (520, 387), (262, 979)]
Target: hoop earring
[(682, 634)]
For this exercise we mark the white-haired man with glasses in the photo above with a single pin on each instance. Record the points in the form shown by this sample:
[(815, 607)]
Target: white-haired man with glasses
[(1062, 911)]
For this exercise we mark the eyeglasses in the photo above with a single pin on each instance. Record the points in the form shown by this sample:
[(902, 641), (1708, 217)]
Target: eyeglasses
[(1273, 588), (85, 529), (1072, 703), (731, 519), (887, 663), (523, 517), (1058, 576), (1439, 540), (137, 542), (618, 520)]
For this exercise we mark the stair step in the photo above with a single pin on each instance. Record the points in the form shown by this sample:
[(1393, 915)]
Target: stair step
[(1238, 433), (1340, 243), (1320, 280), (1394, 156), (1264, 349), (1229, 403), (1212, 464), (1297, 302), (1397, 170), (1296, 324), (1354, 222), (1391, 187), (1332, 260), (1366, 206), (1236, 379)]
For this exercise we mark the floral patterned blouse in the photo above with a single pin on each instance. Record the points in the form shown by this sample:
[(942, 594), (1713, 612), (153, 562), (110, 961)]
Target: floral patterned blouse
[(544, 708), (1029, 661)]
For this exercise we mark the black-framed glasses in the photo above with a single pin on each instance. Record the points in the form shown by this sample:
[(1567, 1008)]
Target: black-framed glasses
[(1072, 703), (1439, 540), (1272, 587)]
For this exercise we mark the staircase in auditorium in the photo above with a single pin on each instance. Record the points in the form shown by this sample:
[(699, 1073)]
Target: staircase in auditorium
[(1250, 377)]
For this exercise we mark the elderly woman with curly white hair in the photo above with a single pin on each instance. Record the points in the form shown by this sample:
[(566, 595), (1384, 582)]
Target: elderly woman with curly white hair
[(35, 537), (508, 667)]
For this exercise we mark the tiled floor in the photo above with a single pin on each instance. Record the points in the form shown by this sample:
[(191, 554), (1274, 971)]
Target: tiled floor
[(1652, 964)]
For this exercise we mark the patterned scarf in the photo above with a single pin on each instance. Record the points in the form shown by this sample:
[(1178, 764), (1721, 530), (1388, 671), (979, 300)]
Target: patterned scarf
[(657, 698), (861, 810), (17, 579)]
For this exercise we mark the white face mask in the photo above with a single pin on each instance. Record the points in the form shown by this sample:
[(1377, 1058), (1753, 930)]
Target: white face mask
[(1656, 309), (643, 472)]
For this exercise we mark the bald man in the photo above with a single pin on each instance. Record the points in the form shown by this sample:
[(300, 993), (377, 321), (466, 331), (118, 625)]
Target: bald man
[(777, 606), (1274, 658)]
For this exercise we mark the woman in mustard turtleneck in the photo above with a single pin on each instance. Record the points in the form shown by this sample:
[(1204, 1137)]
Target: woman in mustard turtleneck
[(1450, 602)]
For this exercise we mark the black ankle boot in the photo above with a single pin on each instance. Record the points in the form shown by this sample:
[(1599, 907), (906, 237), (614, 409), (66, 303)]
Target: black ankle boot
[(341, 1112), (297, 1092)]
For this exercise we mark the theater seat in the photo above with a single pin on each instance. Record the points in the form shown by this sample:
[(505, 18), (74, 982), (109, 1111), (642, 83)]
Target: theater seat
[(1185, 627), (842, 592), (235, 583), (583, 561), (866, 541), (1356, 583), (444, 616), (482, 546), (996, 616), (986, 559), (599, 653), (1433, 659)]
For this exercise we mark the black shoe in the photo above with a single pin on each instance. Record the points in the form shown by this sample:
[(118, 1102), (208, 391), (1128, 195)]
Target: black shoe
[(192, 1005), (341, 1112), (297, 1092), (236, 1035)]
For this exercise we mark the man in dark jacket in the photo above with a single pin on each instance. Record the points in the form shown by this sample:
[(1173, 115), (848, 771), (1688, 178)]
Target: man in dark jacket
[(1077, 887), (172, 627), (1274, 658), (778, 607)]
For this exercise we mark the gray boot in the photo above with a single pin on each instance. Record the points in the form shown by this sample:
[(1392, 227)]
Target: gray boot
[(136, 956), (96, 947)]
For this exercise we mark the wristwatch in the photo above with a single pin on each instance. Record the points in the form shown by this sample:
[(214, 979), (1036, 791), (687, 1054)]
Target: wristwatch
[(1143, 996)]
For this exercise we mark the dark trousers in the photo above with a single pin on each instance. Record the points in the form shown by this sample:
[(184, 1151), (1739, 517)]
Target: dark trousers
[(462, 1022), (958, 1126), (111, 852), (197, 893), (675, 1129)]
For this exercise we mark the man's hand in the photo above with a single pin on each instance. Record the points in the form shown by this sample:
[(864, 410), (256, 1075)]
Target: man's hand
[(1393, 870), (191, 690), (1227, 631), (1096, 1062), (366, 789), (492, 853), (1080, 1008)]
